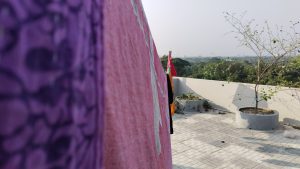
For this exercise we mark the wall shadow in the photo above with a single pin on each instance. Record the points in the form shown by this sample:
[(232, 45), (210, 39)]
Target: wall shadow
[(245, 97), (254, 139), (273, 149), (282, 163)]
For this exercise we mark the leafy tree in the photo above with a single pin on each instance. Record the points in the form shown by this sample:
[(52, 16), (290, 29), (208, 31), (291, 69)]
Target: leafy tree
[(265, 42), (182, 66)]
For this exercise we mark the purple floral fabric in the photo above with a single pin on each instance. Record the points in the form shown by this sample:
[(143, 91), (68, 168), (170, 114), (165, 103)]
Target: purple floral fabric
[(51, 83)]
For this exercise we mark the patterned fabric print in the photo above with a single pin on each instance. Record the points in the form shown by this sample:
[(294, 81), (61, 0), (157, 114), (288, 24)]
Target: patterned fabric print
[(50, 84)]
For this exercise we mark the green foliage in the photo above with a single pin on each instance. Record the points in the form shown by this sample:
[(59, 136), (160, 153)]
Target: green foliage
[(182, 66), (238, 70), (188, 96), (290, 75), (224, 70), (269, 93), (285, 74)]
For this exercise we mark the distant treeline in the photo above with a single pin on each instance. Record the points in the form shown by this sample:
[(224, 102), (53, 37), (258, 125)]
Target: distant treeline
[(236, 69)]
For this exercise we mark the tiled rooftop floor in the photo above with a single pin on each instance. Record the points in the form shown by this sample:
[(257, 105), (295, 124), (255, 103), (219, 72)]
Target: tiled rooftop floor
[(210, 140)]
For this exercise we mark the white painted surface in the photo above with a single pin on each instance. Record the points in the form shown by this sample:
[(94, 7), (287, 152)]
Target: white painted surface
[(232, 96)]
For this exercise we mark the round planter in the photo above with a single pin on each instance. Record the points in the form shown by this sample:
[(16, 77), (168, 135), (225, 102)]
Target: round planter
[(257, 121)]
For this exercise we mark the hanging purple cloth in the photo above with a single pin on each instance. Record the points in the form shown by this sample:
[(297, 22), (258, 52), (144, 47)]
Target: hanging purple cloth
[(51, 83)]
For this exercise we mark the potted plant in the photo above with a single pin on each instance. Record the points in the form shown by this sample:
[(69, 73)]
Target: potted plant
[(271, 49), (189, 103)]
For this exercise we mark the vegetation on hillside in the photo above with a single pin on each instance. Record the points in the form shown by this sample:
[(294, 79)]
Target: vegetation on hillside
[(237, 69), (183, 65)]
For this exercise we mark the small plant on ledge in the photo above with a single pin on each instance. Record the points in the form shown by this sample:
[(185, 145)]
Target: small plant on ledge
[(188, 102), (189, 96)]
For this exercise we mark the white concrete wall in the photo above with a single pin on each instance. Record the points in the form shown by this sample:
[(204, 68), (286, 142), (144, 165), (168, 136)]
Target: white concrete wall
[(232, 96)]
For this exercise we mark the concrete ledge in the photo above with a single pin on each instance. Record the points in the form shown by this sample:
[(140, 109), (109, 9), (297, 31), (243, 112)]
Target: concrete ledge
[(257, 121), (291, 122)]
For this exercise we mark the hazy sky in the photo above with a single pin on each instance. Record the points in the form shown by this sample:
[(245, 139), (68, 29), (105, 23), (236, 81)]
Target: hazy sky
[(198, 27)]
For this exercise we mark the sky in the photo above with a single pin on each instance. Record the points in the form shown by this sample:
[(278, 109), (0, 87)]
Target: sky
[(198, 27)]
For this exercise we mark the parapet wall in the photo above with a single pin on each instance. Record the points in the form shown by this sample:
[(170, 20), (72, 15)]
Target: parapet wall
[(232, 96)]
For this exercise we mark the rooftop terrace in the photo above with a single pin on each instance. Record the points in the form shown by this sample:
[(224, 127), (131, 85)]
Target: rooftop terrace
[(211, 140)]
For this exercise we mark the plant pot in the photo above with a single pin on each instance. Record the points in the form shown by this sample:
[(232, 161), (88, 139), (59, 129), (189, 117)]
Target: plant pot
[(256, 121), (189, 105)]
